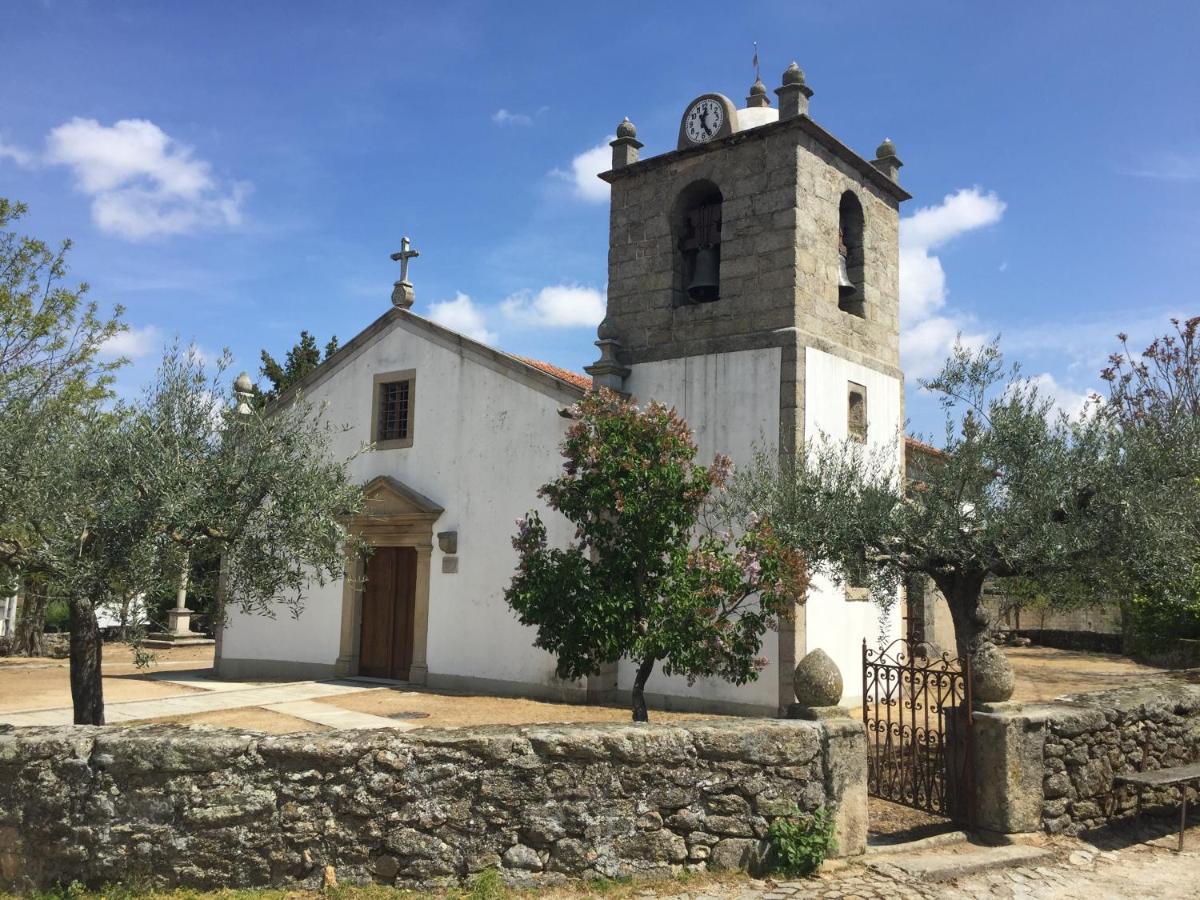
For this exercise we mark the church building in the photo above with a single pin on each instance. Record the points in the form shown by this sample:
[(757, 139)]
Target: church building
[(753, 284)]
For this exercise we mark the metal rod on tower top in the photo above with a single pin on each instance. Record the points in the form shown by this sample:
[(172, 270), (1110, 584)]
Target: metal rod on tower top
[(757, 75)]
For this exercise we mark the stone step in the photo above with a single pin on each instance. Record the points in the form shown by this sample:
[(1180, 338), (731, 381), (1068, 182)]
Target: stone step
[(945, 839), (958, 861)]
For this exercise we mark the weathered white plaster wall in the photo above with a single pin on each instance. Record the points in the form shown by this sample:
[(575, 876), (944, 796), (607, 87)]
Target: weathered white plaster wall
[(835, 624), (483, 443), (8, 615), (731, 402)]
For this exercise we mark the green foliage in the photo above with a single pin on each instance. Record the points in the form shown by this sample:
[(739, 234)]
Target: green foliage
[(1153, 622), (1014, 490), (638, 582), (299, 361), (52, 380), (488, 885), (58, 615), (186, 477), (799, 843), (1154, 409)]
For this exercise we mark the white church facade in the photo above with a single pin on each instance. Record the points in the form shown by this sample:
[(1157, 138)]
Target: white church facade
[(753, 285)]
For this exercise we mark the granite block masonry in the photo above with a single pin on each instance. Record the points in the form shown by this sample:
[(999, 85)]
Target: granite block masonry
[(1050, 766), (171, 805)]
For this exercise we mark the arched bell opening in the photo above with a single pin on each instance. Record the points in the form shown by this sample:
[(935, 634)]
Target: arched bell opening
[(696, 228), (850, 256)]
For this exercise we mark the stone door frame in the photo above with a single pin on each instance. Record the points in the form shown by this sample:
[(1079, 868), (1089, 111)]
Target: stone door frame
[(394, 515)]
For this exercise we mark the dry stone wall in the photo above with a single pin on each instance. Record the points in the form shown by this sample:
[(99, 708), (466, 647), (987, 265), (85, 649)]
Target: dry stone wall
[(1051, 766), (171, 805), (1125, 730)]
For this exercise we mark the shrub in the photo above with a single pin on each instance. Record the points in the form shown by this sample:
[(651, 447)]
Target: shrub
[(1154, 622), (800, 842), (58, 616)]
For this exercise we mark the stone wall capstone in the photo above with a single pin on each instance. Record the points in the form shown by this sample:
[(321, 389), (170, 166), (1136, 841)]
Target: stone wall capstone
[(172, 805)]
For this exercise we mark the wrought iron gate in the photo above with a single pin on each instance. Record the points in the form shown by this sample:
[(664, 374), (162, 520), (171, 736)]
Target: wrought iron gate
[(917, 712)]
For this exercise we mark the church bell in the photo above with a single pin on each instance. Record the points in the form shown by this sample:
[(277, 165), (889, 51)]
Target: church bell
[(845, 285), (703, 286)]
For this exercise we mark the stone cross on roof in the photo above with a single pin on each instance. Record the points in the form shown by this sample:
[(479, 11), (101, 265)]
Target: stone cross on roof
[(402, 291)]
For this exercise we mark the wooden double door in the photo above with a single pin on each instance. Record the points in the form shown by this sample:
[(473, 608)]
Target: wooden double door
[(388, 606)]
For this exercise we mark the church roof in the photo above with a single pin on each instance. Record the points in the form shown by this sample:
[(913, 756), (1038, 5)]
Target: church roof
[(539, 375)]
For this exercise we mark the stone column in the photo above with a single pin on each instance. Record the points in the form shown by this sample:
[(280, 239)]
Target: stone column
[(180, 618), (347, 661), (418, 671)]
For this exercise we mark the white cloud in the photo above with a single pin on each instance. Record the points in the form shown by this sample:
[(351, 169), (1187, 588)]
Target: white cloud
[(462, 315), (926, 333), (1072, 402), (922, 279), (142, 182), (1170, 167), (958, 213), (926, 345), (557, 306), (134, 343), (504, 117), (21, 157), (584, 169)]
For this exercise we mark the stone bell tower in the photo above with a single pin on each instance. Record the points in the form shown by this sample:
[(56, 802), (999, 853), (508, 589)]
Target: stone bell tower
[(753, 283)]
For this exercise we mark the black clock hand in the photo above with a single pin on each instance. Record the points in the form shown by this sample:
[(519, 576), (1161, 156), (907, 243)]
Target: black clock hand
[(704, 121)]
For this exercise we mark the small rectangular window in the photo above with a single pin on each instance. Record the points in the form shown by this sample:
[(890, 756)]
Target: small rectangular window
[(394, 405), (856, 413)]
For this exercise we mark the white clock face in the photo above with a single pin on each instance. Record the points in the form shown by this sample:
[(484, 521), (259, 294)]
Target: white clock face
[(704, 120)]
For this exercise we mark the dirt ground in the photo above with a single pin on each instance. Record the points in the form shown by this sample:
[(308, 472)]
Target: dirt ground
[(250, 718), (428, 709), (1044, 673), (30, 683), (27, 684)]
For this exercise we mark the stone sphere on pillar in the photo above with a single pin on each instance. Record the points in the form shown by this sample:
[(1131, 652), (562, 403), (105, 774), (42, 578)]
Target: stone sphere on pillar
[(818, 681), (992, 678)]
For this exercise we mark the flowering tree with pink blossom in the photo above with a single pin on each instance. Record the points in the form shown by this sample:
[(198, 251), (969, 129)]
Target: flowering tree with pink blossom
[(643, 579)]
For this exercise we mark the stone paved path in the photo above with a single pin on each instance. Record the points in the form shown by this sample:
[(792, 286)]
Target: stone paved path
[(291, 698), (1078, 871)]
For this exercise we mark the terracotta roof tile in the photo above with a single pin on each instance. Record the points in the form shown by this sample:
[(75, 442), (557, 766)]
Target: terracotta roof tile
[(583, 382), (923, 447)]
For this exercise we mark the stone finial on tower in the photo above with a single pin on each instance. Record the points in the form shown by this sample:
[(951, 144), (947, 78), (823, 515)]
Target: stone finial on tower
[(793, 93), (626, 146), (886, 160), (758, 94), (402, 290), (607, 371), (243, 393)]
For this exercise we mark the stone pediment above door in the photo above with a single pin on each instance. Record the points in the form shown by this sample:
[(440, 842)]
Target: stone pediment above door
[(389, 502)]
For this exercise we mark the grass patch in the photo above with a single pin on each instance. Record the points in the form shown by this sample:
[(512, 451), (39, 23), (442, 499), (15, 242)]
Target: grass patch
[(487, 885)]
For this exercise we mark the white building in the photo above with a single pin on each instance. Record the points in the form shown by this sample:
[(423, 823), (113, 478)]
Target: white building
[(8, 615), (753, 285)]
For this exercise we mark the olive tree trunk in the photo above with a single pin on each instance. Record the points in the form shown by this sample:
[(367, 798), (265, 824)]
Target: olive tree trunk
[(639, 689), (29, 636), (963, 592), (87, 688)]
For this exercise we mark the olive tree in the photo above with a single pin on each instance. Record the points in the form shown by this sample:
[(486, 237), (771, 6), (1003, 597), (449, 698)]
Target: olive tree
[(184, 472), (1153, 406), (1014, 490), (642, 579), (53, 381)]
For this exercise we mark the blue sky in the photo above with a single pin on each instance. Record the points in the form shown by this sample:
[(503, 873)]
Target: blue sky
[(234, 172)]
